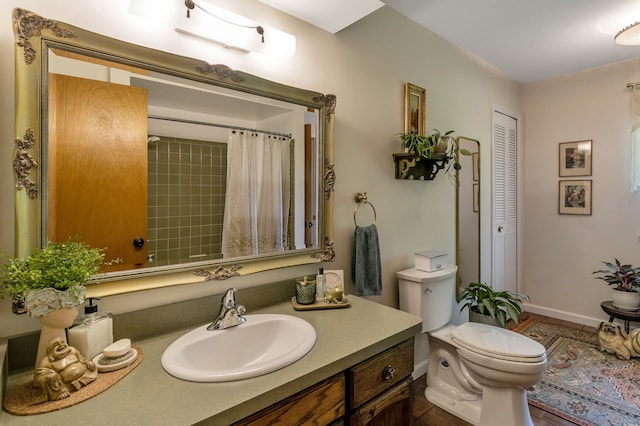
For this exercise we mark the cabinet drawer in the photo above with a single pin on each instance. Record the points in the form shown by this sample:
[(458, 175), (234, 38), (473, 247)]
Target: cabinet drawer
[(393, 407), (320, 404), (380, 372)]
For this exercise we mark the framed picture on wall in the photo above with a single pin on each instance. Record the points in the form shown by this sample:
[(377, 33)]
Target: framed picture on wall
[(415, 101), (575, 158), (574, 197)]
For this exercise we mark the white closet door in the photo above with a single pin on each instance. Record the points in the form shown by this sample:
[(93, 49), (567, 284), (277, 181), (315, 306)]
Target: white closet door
[(505, 197)]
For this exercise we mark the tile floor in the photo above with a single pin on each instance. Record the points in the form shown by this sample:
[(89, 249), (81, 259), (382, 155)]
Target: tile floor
[(425, 413)]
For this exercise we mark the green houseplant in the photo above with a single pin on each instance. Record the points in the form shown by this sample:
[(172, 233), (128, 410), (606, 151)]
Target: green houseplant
[(417, 144), (626, 279), (51, 283), (481, 299), (65, 266)]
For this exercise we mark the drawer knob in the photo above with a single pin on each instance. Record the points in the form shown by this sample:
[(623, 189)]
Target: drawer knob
[(388, 373)]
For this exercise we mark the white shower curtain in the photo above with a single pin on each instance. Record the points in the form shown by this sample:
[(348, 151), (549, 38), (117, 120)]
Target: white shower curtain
[(635, 139), (256, 213)]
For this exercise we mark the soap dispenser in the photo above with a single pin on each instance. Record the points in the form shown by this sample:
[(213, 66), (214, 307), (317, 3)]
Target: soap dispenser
[(91, 332)]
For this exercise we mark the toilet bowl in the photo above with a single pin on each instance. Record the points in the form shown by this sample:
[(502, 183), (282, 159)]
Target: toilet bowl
[(477, 372)]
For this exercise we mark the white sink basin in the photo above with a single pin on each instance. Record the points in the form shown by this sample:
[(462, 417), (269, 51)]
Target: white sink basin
[(265, 343)]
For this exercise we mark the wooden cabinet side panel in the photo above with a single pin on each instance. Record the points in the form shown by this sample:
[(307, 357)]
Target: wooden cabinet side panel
[(320, 404)]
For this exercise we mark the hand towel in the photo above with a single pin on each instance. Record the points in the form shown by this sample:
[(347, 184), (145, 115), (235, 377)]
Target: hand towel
[(365, 261)]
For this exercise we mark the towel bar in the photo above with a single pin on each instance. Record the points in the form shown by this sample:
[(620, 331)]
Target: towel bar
[(361, 198)]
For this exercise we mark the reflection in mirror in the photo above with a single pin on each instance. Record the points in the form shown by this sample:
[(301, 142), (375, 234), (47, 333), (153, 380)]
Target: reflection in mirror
[(202, 172), (171, 164), (468, 214)]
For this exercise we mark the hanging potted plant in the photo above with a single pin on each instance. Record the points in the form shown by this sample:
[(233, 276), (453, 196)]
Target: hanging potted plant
[(51, 283), (489, 306), (626, 280)]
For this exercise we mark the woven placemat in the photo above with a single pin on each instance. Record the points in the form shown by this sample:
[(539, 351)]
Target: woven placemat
[(19, 400)]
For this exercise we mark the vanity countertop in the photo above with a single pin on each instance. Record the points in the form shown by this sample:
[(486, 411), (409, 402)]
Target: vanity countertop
[(149, 395)]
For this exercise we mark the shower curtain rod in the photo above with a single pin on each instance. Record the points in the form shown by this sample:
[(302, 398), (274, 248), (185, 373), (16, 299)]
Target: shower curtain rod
[(224, 126)]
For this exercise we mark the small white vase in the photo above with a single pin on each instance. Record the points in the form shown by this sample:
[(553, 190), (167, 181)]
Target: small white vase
[(626, 300)]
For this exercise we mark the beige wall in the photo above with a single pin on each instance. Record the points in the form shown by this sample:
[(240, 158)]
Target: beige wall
[(561, 251), (366, 66)]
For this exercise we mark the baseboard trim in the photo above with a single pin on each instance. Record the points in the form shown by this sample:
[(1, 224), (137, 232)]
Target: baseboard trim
[(567, 316), (420, 369)]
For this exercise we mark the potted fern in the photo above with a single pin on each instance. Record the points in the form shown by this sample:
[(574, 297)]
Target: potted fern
[(626, 279), (64, 267), (51, 284), (489, 306)]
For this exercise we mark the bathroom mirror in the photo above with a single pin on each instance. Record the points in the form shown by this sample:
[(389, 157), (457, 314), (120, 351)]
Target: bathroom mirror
[(126, 148), (468, 214)]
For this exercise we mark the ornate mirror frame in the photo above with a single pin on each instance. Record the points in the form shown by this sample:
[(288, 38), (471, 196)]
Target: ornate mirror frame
[(468, 214), (34, 35)]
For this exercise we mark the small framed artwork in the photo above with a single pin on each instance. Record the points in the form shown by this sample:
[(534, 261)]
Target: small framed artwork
[(575, 158), (476, 197), (575, 197), (475, 161), (415, 100)]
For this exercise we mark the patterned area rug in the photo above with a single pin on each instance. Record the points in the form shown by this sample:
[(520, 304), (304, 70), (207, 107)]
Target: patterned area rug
[(582, 384)]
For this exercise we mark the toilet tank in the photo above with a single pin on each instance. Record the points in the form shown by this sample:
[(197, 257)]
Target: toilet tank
[(429, 295)]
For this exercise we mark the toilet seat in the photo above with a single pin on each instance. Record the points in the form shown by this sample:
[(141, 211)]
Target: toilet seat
[(495, 342)]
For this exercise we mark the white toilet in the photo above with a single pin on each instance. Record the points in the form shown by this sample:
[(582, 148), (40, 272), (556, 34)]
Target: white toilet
[(477, 372)]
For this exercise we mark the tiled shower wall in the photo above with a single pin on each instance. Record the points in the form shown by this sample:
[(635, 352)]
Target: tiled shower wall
[(187, 184)]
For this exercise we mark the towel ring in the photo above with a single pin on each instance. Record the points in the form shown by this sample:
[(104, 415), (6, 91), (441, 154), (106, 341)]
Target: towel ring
[(361, 198)]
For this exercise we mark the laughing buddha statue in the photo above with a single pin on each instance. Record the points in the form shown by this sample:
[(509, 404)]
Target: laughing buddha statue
[(62, 371)]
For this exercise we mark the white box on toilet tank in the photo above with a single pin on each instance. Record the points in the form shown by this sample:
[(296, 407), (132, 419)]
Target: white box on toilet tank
[(430, 260)]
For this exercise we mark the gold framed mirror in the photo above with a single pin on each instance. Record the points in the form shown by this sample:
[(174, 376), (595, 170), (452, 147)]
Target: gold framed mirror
[(468, 213), (46, 49)]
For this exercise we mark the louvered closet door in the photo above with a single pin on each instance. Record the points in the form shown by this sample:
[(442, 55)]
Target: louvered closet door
[(505, 196)]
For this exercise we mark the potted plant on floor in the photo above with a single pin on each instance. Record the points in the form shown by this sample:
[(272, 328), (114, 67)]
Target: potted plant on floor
[(489, 306), (626, 279), (51, 283)]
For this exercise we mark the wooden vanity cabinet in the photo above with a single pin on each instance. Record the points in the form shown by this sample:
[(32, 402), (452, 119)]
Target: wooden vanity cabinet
[(376, 392)]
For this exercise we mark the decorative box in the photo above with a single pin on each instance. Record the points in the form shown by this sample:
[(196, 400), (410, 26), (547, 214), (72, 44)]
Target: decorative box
[(430, 260)]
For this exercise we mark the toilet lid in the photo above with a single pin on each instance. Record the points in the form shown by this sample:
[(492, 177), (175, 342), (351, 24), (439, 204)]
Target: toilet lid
[(497, 342)]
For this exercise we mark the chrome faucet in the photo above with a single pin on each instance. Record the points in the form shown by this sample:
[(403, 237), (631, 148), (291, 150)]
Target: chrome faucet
[(230, 314)]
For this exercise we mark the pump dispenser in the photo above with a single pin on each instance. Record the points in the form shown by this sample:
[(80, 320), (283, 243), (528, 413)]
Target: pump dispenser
[(320, 285), (91, 332)]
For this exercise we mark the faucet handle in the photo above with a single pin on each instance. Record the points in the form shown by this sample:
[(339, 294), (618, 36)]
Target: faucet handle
[(241, 310), (229, 300)]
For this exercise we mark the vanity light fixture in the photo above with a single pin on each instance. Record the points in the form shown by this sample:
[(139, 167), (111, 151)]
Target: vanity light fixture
[(190, 4), (217, 25), (629, 35)]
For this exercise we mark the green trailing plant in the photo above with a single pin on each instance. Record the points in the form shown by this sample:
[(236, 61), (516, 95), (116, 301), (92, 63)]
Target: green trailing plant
[(63, 266), (501, 305), (452, 151), (415, 143), (623, 277)]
